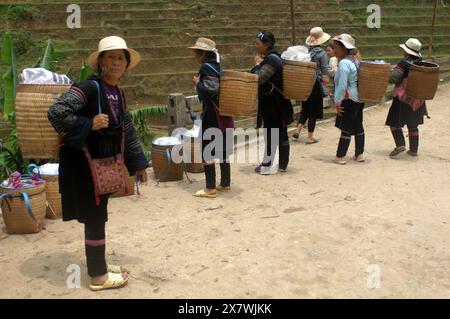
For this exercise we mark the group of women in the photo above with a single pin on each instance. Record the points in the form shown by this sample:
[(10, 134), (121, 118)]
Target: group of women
[(93, 116)]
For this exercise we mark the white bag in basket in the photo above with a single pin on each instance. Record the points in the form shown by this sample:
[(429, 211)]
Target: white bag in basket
[(42, 76), (298, 53)]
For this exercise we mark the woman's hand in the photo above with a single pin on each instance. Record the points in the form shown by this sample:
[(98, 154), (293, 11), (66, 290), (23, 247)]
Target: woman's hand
[(258, 59), (142, 177), (195, 80), (100, 121), (339, 109)]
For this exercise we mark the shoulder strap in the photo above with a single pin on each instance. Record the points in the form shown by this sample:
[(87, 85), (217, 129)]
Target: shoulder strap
[(98, 95), (212, 68)]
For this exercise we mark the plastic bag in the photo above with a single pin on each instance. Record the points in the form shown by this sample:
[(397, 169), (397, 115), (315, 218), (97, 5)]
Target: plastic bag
[(42, 76), (298, 53), (167, 141)]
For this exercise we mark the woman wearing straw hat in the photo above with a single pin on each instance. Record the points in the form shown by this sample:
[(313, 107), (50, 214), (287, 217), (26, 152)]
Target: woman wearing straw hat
[(312, 109), (94, 114), (346, 98), (215, 128), (275, 110), (405, 110)]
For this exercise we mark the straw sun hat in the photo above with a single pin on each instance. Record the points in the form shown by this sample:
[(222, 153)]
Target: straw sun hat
[(347, 41), (317, 37), (206, 44), (412, 47), (113, 43)]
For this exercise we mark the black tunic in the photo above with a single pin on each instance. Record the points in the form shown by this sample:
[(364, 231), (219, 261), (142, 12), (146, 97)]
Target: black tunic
[(274, 109), (72, 117)]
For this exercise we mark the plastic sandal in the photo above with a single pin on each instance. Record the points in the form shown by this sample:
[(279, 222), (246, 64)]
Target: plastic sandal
[(114, 269), (203, 194), (313, 141), (114, 281), (397, 151)]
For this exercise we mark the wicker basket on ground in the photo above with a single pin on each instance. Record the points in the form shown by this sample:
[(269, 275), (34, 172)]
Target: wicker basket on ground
[(23, 209), (163, 165)]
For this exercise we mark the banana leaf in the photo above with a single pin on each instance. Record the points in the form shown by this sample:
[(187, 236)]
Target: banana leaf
[(10, 93), (10, 78), (50, 59), (85, 72)]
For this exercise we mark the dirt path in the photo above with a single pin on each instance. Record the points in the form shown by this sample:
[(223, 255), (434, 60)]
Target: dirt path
[(314, 232)]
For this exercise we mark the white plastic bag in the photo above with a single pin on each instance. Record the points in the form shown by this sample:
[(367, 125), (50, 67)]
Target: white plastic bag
[(42, 76), (167, 141), (50, 169), (298, 53)]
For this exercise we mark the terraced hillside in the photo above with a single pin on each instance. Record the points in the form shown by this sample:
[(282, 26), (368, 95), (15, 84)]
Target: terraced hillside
[(161, 30)]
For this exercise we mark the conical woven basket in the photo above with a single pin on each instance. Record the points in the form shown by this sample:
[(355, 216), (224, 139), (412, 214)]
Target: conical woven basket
[(423, 80), (37, 137), (238, 94), (373, 81), (299, 79)]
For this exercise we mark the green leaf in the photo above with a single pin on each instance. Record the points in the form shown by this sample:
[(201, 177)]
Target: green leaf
[(10, 78), (10, 96), (85, 72), (49, 60)]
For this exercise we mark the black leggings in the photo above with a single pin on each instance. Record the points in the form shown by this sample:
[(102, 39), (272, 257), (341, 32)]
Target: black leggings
[(94, 232), (413, 135), (225, 175), (344, 144), (311, 122), (271, 147)]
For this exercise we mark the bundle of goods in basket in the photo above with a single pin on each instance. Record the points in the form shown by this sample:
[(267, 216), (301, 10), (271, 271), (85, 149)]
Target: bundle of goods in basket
[(35, 94), (164, 166), (299, 73), (373, 80), (238, 94), (23, 201), (423, 80), (192, 150)]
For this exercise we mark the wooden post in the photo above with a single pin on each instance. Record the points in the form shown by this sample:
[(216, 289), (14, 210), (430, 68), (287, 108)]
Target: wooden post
[(433, 29), (176, 112), (294, 40)]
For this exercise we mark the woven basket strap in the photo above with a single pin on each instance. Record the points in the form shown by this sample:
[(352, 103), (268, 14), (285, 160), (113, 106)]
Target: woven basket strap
[(26, 198), (169, 165), (6, 197), (213, 68)]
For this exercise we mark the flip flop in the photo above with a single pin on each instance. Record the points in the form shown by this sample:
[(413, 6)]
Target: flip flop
[(114, 281), (203, 194), (313, 141), (114, 269)]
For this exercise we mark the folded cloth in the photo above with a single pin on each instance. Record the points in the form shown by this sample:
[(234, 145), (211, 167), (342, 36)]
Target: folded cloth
[(43, 76)]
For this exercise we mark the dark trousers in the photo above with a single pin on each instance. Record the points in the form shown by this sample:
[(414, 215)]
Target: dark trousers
[(282, 144), (413, 135), (311, 122), (94, 231), (344, 144), (225, 175)]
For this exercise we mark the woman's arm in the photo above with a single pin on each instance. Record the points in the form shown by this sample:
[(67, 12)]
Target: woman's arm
[(72, 127), (341, 81)]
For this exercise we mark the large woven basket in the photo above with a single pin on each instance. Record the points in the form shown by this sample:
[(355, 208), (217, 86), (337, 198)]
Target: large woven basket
[(131, 187), (299, 79), (15, 214), (373, 81), (193, 157), (54, 208), (238, 94), (37, 137), (423, 80), (163, 166)]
